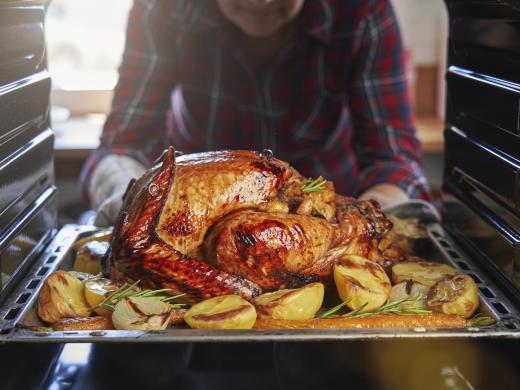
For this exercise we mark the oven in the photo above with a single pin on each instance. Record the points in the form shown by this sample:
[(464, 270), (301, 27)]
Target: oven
[(478, 232)]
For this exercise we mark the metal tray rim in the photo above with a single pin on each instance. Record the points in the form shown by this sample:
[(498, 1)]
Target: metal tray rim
[(10, 331)]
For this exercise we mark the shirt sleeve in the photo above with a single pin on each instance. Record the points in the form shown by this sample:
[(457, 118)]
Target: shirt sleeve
[(136, 125), (384, 138)]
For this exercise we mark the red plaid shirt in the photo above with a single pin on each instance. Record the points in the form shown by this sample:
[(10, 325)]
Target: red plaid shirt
[(333, 103)]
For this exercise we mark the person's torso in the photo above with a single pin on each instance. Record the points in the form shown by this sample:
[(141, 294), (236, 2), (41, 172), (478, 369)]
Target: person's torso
[(297, 107)]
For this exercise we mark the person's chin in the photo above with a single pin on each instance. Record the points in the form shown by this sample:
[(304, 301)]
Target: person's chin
[(259, 30)]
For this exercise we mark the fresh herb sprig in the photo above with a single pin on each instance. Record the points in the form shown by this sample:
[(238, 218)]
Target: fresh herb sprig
[(156, 294), (130, 291), (316, 185), (393, 307), (355, 312), (111, 300), (331, 313)]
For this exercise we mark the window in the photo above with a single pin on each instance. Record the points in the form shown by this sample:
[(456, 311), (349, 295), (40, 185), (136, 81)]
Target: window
[(85, 39)]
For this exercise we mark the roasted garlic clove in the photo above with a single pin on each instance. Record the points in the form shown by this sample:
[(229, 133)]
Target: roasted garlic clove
[(455, 294), (409, 289), (139, 313)]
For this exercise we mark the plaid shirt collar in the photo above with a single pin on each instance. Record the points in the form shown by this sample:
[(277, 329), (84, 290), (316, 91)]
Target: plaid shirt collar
[(205, 16), (320, 15)]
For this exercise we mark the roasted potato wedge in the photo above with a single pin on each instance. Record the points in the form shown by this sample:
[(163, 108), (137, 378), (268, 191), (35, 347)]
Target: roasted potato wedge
[(88, 257), (62, 296), (297, 304), (407, 290), (88, 323), (96, 290), (102, 235), (224, 312), (408, 227), (421, 271), (140, 313), (361, 282), (455, 294)]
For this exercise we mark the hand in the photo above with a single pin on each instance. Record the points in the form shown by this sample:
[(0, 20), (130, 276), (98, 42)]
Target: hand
[(108, 184), (385, 194), (108, 210)]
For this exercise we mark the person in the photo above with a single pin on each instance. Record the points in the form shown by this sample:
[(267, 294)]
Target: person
[(322, 83)]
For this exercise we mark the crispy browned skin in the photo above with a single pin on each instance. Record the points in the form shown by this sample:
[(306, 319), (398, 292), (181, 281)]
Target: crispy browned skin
[(210, 185), (278, 250), (435, 320), (271, 249), (233, 222), (361, 225), (160, 215)]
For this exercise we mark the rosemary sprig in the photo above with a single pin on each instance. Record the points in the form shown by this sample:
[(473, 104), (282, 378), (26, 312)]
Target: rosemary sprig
[(479, 320), (129, 290), (171, 298), (355, 312), (335, 309), (393, 307), (316, 185), (156, 295), (111, 300)]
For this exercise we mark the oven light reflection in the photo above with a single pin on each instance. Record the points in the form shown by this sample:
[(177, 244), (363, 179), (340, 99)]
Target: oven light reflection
[(75, 354)]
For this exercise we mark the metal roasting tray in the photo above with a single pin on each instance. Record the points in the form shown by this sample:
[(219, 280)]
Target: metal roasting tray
[(19, 309)]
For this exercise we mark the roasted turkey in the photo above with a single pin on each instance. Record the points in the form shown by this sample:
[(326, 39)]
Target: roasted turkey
[(237, 222)]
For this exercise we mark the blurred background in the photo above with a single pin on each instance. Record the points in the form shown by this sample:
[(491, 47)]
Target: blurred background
[(85, 40)]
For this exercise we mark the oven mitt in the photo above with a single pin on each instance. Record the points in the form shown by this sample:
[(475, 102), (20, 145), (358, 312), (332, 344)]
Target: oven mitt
[(415, 208), (108, 185)]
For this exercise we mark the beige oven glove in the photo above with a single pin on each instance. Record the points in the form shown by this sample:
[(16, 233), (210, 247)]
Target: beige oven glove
[(108, 185)]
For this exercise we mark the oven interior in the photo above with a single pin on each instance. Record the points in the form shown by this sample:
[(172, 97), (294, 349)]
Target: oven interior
[(480, 229)]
